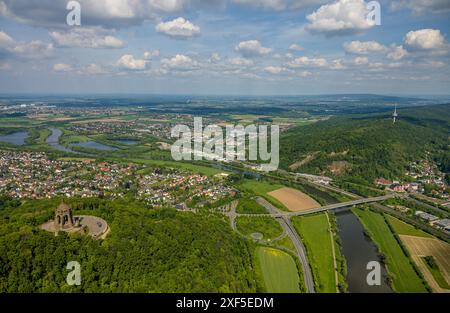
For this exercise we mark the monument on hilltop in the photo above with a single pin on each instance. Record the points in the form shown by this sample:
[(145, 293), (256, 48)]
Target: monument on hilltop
[(83, 224)]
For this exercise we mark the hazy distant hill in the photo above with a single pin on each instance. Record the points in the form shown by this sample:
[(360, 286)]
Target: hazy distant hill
[(367, 146)]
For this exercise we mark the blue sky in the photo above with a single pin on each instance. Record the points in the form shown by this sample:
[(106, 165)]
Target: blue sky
[(245, 47)]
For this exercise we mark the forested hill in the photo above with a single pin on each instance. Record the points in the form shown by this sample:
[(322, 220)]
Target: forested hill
[(367, 147), (146, 251)]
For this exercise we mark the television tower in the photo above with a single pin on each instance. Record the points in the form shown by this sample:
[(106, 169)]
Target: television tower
[(395, 115)]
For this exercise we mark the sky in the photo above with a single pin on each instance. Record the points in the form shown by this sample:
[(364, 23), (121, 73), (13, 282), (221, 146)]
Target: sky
[(225, 47)]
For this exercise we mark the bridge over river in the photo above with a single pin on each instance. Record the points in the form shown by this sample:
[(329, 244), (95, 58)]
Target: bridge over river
[(325, 208)]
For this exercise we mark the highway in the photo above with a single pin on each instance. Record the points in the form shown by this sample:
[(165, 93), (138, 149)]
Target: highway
[(285, 222)]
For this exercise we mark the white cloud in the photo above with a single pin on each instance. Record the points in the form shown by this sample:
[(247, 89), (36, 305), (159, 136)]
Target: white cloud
[(361, 61), (275, 69), (307, 62), (105, 13), (93, 69), (148, 55), (5, 40), (342, 17), (180, 62), (425, 39), (397, 53), (215, 58), (296, 47), (337, 64), (252, 48), (305, 74), (128, 62), (363, 47), (178, 28), (62, 67), (86, 38), (392, 52), (240, 62), (35, 49)]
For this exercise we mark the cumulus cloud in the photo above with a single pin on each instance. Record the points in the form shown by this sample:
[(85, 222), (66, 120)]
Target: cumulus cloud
[(34, 49), (62, 67), (392, 52), (252, 48), (307, 62), (363, 47), (105, 13), (215, 58), (240, 62), (148, 55), (180, 62), (93, 69), (342, 17), (86, 38), (361, 60), (420, 7), (275, 70), (296, 47), (397, 53), (129, 62), (179, 28), (425, 39)]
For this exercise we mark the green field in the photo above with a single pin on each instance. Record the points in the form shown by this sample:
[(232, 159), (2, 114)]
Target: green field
[(261, 188), (285, 242), (279, 270), (436, 272), (315, 233), (402, 228), (250, 206), (209, 171), (268, 226), (404, 278)]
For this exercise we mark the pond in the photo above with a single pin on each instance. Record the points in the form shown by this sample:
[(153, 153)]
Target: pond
[(359, 250), (94, 145), (17, 138)]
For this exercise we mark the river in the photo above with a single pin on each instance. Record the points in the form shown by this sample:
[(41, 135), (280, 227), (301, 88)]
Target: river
[(358, 251), (53, 141)]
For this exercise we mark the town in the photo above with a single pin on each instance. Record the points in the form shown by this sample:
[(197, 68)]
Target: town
[(33, 175)]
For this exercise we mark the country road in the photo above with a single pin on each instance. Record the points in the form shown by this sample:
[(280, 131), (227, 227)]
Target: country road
[(285, 222)]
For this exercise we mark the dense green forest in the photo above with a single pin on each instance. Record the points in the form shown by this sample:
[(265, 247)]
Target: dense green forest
[(367, 147), (146, 250)]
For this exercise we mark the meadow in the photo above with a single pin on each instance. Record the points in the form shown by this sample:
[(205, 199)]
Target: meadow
[(400, 269), (278, 270), (267, 226), (315, 233)]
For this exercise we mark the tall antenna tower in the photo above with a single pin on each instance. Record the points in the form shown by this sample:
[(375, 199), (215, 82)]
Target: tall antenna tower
[(395, 115)]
